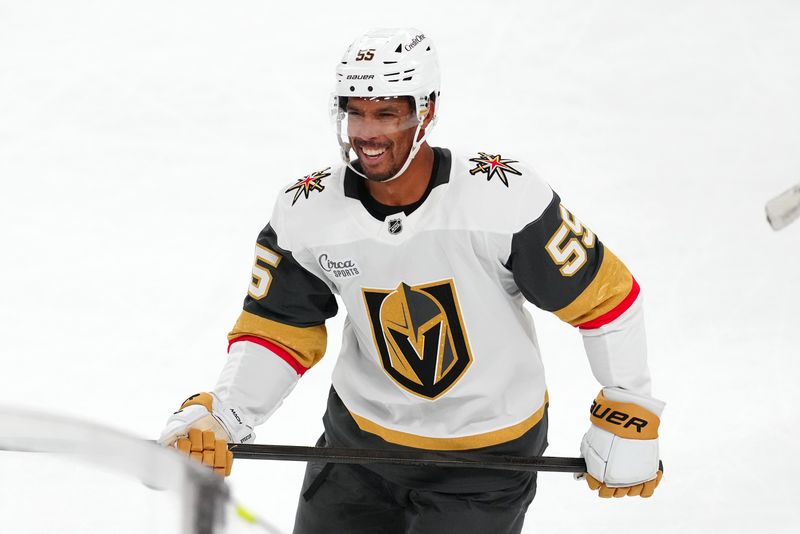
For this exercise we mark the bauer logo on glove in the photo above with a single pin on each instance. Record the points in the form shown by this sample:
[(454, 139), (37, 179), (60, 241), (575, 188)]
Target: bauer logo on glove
[(625, 415), (621, 446)]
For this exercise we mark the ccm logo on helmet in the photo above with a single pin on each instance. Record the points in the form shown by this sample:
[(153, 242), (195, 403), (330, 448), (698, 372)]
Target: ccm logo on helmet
[(616, 417), (417, 40)]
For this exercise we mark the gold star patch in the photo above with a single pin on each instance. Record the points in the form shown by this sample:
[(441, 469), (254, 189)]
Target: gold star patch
[(309, 183), (494, 165)]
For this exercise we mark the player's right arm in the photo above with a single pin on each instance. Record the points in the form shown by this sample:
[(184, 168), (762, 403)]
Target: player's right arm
[(279, 335)]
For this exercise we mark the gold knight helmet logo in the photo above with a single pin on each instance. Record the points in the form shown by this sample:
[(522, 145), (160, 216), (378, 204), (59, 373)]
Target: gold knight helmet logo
[(420, 336)]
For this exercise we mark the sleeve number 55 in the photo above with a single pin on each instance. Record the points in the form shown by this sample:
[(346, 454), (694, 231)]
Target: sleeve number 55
[(262, 278), (570, 253)]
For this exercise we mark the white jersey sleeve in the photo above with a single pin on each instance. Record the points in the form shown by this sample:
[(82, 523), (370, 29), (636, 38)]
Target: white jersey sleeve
[(561, 266), (280, 333)]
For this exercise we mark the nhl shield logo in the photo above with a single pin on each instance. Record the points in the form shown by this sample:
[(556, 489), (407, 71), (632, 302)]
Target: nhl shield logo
[(420, 336), (395, 226)]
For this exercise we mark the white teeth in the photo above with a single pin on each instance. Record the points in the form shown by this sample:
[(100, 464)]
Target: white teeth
[(372, 152)]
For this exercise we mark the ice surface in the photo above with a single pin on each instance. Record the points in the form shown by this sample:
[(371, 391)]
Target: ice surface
[(44, 494), (142, 145)]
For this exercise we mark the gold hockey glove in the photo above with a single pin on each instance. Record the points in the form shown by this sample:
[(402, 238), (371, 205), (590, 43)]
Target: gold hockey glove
[(202, 429)]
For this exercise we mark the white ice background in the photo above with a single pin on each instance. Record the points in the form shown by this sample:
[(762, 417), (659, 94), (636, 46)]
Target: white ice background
[(142, 145)]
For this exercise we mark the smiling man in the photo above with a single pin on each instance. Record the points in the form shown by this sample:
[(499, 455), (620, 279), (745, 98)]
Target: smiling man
[(380, 131), (433, 254)]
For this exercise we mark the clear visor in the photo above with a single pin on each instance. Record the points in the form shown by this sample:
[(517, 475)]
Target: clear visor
[(372, 119)]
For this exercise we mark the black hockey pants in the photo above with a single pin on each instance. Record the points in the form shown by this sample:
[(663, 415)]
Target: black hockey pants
[(353, 499), (349, 499)]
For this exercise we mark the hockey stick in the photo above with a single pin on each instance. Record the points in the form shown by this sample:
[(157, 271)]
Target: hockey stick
[(784, 208), (416, 458)]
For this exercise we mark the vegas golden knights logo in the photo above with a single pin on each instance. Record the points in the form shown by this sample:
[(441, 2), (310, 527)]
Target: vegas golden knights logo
[(420, 336)]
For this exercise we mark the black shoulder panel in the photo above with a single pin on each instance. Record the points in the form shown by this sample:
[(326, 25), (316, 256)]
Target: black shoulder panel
[(294, 295), (554, 260)]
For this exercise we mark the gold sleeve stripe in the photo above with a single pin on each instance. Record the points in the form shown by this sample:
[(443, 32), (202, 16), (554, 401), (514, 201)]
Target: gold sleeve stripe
[(306, 345), (624, 419), (474, 441), (607, 317), (609, 288)]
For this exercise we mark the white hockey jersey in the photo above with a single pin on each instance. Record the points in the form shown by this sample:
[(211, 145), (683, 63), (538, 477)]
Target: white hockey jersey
[(438, 351)]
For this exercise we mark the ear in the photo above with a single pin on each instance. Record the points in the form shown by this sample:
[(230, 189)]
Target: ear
[(428, 117), (431, 112)]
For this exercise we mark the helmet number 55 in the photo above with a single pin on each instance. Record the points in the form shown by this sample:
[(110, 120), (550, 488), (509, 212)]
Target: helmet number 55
[(365, 55), (262, 278)]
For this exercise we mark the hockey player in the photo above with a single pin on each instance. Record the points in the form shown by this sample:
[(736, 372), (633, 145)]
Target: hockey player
[(433, 254)]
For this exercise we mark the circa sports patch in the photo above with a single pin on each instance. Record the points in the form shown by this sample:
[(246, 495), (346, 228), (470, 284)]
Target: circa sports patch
[(338, 267), (494, 165), (306, 184)]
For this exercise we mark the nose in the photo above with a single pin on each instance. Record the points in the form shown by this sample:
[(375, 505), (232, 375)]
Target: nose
[(365, 128)]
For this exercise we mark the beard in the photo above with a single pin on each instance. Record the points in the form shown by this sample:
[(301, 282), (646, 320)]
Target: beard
[(389, 171), (383, 176)]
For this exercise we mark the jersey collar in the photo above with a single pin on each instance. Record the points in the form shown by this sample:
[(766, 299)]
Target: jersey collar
[(354, 187)]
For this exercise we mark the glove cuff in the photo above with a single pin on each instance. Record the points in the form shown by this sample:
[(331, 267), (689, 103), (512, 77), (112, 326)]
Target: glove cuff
[(624, 416), (203, 399), (645, 401)]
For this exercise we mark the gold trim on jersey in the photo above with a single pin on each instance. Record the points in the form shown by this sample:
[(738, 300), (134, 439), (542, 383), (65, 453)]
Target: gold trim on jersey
[(305, 344), (610, 286), (462, 443)]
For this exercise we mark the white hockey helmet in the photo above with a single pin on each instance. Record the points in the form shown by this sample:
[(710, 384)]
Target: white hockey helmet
[(388, 63)]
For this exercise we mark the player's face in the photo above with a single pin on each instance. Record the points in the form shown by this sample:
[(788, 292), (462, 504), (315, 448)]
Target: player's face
[(381, 131)]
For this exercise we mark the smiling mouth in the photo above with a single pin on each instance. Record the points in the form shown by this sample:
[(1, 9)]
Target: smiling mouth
[(373, 154)]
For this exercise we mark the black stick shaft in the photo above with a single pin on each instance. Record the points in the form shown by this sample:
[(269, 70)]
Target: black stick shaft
[(420, 458)]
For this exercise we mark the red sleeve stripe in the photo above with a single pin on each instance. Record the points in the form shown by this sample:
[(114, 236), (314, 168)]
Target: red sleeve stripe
[(274, 347), (609, 316)]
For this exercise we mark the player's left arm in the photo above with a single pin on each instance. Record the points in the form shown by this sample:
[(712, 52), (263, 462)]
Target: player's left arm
[(561, 266)]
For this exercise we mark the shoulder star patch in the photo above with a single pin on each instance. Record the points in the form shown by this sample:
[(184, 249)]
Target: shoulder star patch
[(494, 165), (309, 183)]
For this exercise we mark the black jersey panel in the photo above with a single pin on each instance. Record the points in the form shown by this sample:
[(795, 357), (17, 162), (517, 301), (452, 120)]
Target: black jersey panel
[(554, 259), (295, 296)]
